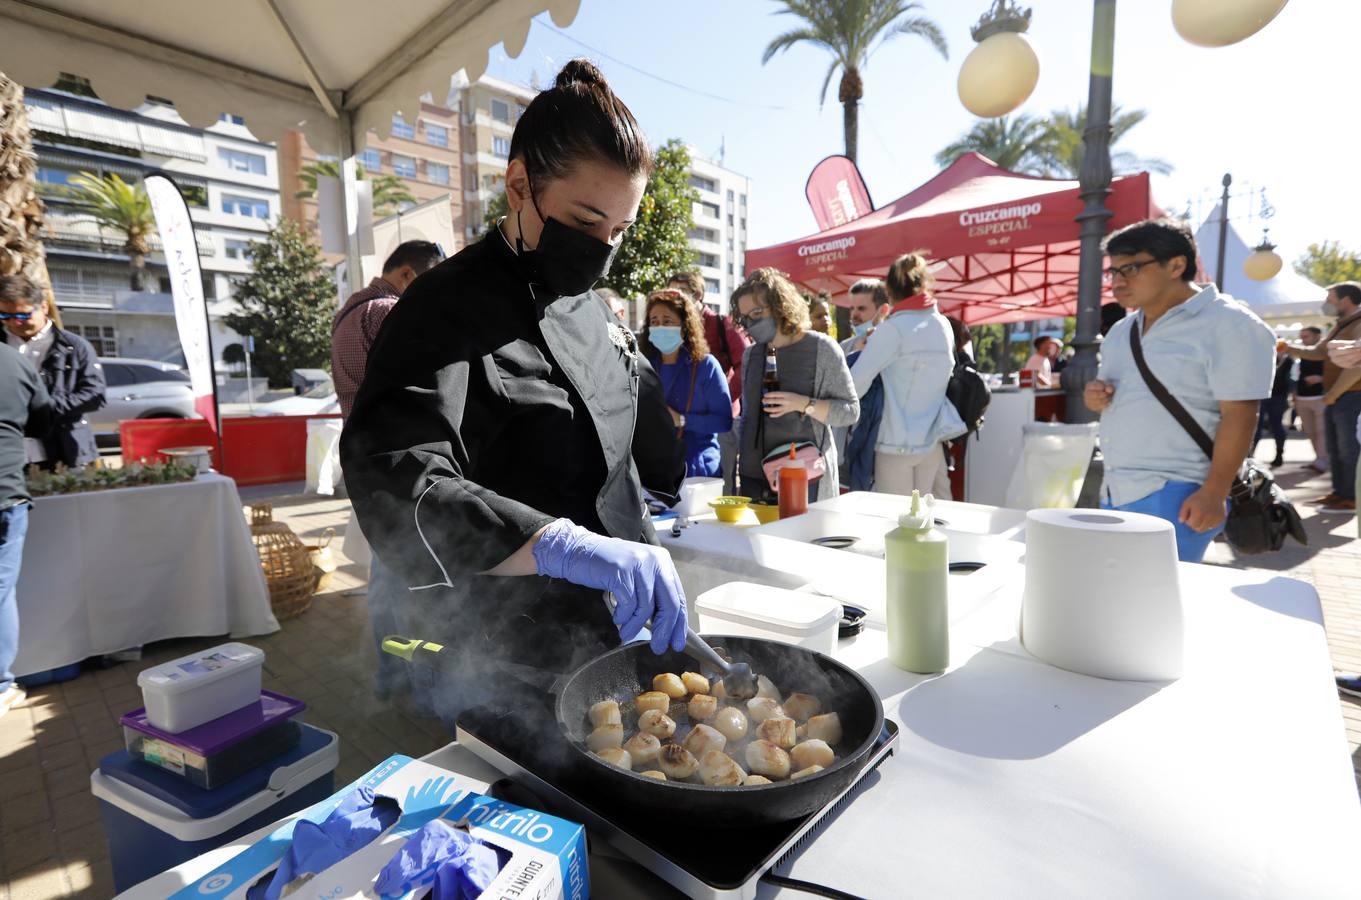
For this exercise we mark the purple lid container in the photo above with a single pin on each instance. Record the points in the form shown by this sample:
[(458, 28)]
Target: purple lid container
[(213, 737)]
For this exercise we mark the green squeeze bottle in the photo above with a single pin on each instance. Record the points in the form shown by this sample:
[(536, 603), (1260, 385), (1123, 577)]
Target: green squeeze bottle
[(917, 566)]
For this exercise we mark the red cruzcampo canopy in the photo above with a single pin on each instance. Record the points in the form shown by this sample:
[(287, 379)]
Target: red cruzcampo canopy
[(1003, 246)]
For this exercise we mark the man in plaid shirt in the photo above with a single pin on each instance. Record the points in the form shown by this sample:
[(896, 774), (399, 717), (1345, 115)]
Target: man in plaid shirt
[(357, 322)]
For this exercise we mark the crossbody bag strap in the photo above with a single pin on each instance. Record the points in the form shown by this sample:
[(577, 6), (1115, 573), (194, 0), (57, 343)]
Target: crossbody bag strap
[(694, 372), (1170, 403)]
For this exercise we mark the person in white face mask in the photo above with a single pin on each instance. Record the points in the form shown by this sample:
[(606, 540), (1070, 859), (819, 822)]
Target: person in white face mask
[(869, 307)]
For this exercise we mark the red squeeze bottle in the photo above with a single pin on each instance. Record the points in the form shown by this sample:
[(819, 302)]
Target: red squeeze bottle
[(793, 487)]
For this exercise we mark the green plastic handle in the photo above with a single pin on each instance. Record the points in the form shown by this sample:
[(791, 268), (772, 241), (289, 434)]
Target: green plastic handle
[(407, 648)]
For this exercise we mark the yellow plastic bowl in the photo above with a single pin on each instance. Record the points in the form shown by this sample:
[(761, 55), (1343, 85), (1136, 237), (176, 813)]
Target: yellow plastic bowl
[(729, 509), (766, 512)]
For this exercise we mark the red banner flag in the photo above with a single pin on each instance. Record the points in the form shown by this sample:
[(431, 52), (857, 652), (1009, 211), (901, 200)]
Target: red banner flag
[(837, 193)]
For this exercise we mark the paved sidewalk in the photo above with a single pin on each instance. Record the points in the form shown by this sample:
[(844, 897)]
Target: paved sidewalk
[(51, 838)]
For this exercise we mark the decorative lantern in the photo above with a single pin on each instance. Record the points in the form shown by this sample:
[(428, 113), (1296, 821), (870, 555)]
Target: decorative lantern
[(1265, 262), (1002, 71), (1219, 23)]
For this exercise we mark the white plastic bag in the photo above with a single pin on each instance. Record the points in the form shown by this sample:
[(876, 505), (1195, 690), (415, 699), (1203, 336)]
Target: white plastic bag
[(323, 455), (1053, 465)]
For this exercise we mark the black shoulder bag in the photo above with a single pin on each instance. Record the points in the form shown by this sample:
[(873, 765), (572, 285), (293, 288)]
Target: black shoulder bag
[(1260, 515)]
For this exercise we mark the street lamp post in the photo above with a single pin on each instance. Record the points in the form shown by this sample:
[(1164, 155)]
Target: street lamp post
[(1223, 232), (1095, 183)]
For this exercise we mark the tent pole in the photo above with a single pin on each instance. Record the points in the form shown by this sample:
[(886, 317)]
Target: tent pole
[(349, 181), (1095, 181)]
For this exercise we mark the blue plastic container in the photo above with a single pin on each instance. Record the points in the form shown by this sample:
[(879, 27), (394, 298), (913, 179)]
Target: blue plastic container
[(155, 820), (51, 676)]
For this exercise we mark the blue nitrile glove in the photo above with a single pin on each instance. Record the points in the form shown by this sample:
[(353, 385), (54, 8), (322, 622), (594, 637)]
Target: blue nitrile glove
[(469, 876), (437, 847), (641, 576), (355, 823)]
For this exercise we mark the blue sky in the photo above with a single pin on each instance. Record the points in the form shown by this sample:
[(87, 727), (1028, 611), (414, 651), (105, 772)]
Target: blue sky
[(1279, 110)]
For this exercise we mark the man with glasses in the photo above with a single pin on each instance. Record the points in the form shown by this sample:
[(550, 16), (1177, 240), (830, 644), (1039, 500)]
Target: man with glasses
[(69, 369), (1211, 353), (25, 410)]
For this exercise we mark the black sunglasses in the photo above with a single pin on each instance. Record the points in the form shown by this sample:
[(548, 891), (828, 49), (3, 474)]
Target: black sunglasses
[(1128, 270), (19, 317)]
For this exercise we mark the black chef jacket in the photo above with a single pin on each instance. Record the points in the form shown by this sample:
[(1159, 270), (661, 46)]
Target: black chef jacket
[(489, 408)]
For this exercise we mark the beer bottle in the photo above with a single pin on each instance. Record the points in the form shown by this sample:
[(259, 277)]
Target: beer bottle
[(771, 380)]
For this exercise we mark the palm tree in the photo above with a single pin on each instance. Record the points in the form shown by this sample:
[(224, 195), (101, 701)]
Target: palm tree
[(390, 193), (851, 30), (1017, 144), (1063, 151), (112, 203), (21, 209)]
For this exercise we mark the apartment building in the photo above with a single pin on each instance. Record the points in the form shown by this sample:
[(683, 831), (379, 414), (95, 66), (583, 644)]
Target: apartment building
[(719, 235), (424, 153), (229, 179), (490, 108)]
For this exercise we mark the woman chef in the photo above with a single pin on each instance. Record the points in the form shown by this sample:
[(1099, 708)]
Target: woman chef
[(495, 449)]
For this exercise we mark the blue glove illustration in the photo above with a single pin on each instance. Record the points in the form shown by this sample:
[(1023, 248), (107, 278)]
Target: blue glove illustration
[(426, 802), (355, 823), (455, 862), (641, 576)]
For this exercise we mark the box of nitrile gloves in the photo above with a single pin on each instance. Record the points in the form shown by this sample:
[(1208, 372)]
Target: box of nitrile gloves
[(384, 831)]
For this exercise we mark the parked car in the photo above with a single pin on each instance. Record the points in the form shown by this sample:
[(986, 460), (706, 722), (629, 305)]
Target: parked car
[(319, 400), (140, 389)]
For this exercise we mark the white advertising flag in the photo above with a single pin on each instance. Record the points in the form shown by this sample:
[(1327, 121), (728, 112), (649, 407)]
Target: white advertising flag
[(186, 285)]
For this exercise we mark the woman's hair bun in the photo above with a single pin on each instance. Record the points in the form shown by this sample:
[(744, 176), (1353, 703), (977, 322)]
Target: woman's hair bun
[(579, 70)]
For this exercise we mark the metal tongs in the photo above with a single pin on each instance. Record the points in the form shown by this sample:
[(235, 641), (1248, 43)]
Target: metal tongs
[(739, 681)]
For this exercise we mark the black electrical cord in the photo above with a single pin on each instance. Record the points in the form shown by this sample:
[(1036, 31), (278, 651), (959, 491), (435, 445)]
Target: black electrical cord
[(807, 887)]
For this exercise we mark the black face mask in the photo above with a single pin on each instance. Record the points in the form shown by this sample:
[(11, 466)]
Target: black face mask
[(566, 261)]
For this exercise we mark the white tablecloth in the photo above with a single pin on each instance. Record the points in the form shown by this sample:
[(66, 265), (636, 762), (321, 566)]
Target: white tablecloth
[(1016, 779), (109, 570)]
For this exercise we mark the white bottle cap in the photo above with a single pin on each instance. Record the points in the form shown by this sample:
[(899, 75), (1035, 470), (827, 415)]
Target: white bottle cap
[(920, 518)]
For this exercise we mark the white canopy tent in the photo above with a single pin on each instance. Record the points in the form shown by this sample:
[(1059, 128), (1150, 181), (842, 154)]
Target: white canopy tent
[(1289, 297), (332, 68)]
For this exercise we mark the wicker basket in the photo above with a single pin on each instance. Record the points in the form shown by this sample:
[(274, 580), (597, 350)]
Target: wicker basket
[(261, 514), (323, 560), (288, 568)]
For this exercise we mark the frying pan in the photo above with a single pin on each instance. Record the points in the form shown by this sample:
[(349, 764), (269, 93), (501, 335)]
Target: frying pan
[(623, 673)]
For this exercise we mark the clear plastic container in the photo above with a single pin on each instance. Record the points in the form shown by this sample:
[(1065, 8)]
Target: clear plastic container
[(195, 689), (761, 611)]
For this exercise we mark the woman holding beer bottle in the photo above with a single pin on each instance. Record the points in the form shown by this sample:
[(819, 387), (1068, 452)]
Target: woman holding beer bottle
[(795, 385)]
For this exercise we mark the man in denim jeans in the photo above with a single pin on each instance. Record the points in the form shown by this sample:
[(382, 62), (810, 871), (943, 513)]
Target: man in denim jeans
[(1341, 395), (1210, 352), (25, 411)]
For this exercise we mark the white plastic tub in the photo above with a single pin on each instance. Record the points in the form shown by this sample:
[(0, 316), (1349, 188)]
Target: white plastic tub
[(191, 690), (757, 610), (695, 494)]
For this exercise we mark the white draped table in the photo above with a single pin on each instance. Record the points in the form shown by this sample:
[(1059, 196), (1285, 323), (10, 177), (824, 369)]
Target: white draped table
[(110, 570), (1016, 779)]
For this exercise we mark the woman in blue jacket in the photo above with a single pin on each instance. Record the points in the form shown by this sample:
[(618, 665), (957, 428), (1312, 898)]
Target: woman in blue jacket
[(696, 391)]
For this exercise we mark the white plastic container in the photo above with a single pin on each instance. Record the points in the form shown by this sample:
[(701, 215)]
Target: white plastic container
[(760, 611), (191, 690), (695, 494)]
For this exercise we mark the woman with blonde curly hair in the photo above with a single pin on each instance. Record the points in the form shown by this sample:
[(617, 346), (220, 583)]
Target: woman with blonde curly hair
[(696, 391), (815, 388)]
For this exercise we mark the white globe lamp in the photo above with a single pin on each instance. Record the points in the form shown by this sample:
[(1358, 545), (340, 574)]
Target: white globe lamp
[(1265, 263), (1001, 72), (1219, 23)]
